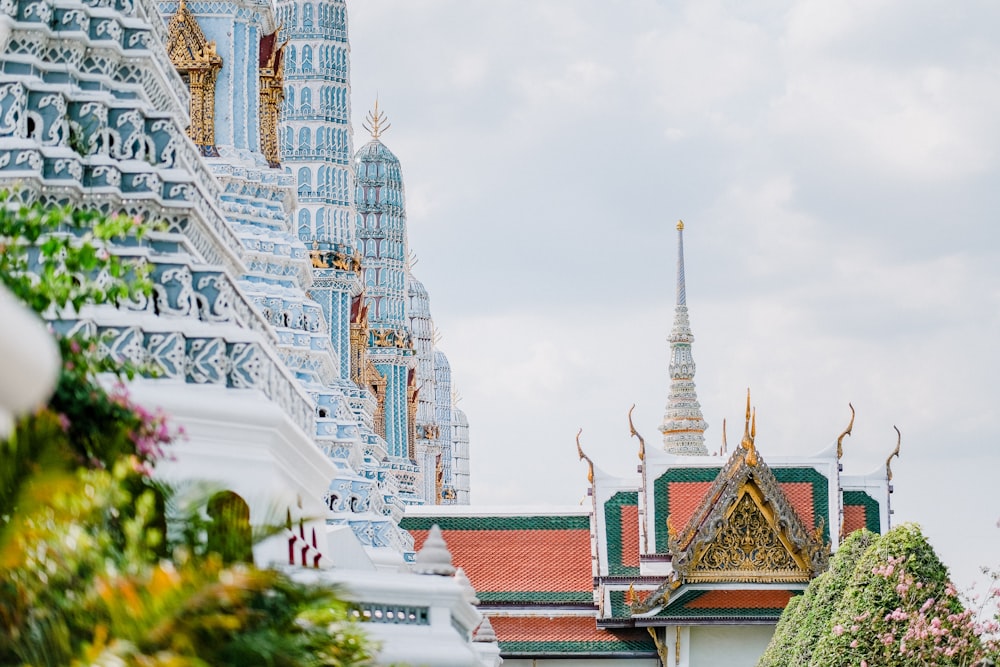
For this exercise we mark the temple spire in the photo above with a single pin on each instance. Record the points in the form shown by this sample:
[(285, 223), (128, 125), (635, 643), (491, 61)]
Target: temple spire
[(683, 426), (376, 122)]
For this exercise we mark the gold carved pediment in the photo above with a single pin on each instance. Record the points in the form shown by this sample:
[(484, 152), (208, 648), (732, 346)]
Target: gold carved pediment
[(750, 546), (198, 63)]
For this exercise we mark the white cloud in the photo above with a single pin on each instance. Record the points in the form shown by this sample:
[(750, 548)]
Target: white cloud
[(836, 165)]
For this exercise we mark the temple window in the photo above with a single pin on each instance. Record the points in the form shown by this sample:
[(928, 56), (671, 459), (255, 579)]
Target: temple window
[(307, 16), (307, 55)]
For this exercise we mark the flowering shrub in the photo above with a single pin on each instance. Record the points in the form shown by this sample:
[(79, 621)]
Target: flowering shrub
[(894, 607)]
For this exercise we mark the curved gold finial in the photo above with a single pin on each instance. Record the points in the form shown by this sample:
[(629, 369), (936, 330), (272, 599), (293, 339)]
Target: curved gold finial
[(671, 529), (635, 434), (590, 464), (375, 122), (680, 225), (747, 438), (847, 431), (895, 452), (751, 457), (630, 597), (725, 445)]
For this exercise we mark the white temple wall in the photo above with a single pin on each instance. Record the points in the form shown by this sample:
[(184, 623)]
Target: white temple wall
[(240, 441), (585, 662), (729, 645)]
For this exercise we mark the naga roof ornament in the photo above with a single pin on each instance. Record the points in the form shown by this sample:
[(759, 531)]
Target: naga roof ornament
[(584, 457), (895, 452), (847, 432), (683, 426)]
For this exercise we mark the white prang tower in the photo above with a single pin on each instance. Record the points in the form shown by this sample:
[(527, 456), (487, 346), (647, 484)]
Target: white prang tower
[(683, 426)]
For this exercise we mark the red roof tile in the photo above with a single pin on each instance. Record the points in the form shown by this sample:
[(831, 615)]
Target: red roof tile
[(521, 560), (544, 629), (741, 599), (630, 536), (800, 497), (855, 518), (684, 499)]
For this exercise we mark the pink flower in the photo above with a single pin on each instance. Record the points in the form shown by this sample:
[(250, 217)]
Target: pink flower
[(838, 630)]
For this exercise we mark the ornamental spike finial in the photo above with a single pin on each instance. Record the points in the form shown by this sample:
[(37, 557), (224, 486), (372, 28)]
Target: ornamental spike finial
[(584, 457), (376, 122), (895, 452), (635, 434), (683, 426), (746, 425), (847, 431)]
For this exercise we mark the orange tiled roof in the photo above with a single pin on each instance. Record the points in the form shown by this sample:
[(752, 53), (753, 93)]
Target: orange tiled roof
[(741, 599), (523, 559), (630, 535), (855, 518), (563, 635)]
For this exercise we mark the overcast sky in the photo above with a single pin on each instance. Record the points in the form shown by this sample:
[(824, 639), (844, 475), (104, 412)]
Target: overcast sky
[(836, 166)]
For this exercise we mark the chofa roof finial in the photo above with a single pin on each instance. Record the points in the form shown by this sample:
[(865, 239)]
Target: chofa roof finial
[(590, 464), (635, 434), (895, 452), (847, 431)]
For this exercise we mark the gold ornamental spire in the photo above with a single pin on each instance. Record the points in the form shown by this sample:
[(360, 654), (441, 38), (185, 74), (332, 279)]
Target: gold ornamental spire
[(376, 122)]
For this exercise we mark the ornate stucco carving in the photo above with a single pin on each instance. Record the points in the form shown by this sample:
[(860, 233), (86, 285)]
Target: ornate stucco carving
[(199, 64)]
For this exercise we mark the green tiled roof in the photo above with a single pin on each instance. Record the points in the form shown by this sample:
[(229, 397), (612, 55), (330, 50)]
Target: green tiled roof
[(547, 522), (565, 597), (633, 645), (613, 532), (873, 520)]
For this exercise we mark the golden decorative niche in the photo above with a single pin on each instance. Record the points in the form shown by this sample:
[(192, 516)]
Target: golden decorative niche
[(199, 64), (412, 392), (363, 371), (271, 70)]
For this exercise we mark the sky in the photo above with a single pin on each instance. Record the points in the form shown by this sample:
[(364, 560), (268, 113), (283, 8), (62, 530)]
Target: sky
[(836, 167)]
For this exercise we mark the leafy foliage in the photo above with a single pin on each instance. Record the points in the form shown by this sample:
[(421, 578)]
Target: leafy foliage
[(87, 576), (886, 601)]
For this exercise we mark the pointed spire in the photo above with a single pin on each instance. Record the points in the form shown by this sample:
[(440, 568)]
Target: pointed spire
[(468, 592), (434, 557), (376, 122), (683, 425), (485, 632)]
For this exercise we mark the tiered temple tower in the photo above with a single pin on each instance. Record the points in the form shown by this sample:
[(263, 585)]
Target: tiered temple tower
[(316, 149), (382, 243), (683, 426)]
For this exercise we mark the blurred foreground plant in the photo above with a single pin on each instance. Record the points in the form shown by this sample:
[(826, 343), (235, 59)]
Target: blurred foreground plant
[(85, 578)]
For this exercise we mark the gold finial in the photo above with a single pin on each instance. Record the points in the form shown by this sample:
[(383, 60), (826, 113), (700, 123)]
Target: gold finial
[(635, 434), (751, 457), (725, 445), (746, 425), (680, 225), (590, 464), (847, 431), (375, 122), (895, 452)]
